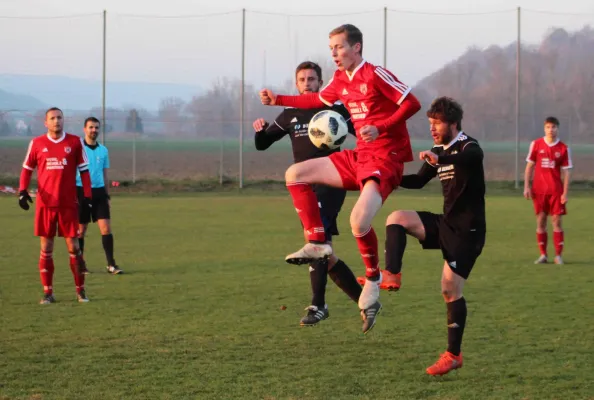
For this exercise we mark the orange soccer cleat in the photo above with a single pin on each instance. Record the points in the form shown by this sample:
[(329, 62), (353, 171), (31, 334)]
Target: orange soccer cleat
[(390, 281), (446, 363)]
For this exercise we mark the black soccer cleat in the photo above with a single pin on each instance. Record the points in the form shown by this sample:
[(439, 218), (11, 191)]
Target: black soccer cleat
[(314, 315), (81, 297), (114, 270), (369, 316), (47, 299)]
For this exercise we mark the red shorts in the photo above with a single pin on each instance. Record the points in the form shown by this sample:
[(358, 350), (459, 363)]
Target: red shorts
[(47, 219), (355, 169), (550, 204)]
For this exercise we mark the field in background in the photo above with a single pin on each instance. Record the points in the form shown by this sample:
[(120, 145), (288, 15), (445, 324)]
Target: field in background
[(198, 314), (174, 160)]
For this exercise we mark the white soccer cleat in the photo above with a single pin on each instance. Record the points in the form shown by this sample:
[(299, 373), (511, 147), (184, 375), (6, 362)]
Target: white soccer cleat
[(541, 260), (370, 294), (558, 260), (309, 253)]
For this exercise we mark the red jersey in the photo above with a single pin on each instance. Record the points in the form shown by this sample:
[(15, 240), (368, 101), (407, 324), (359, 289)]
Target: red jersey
[(549, 159), (372, 95), (56, 162)]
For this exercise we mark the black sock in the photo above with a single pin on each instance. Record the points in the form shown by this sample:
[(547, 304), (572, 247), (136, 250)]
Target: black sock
[(395, 245), (344, 278), (318, 274), (456, 322), (108, 248), (81, 244)]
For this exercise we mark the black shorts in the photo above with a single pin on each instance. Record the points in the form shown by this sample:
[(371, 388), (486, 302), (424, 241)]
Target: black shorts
[(460, 248), (100, 209), (330, 201)]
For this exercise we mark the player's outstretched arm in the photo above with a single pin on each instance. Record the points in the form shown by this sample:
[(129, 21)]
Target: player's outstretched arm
[(421, 178), (267, 134), (471, 154)]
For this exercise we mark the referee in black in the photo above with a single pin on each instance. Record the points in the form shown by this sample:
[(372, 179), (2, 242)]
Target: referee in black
[(294, 123), (457, 159)]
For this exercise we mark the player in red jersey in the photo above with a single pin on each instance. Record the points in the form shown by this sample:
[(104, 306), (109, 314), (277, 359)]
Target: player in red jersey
[(57, 155), (379, 105), (550, 160)]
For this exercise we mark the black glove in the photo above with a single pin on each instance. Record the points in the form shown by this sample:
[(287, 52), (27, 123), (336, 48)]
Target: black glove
[(87, 203), (24, 199)]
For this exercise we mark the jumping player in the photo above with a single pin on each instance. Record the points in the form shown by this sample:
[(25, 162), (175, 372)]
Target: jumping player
[(379, 105), (294, 123), (57, 155), (550, 161), (98, 157), (460, 231)]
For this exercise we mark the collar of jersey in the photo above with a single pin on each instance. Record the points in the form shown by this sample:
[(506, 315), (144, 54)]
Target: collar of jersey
[(91, 146), (59, 140), (447, 146), (351, 76), (550, 144)]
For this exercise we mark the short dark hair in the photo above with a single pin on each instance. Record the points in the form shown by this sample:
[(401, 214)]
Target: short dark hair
[(91, 119), (53, 109), (448, 110), (552, 120), (353, 34), (309, 65)]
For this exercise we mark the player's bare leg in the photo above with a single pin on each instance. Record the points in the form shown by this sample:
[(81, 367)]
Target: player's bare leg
[(104, 225), (541, 238), (46, 269), (299, 178), (558, 238), (367, 206), (77, 266), (451, 289)]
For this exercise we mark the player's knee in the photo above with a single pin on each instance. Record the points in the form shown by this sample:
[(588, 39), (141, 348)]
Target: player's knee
[(557, 222), (359, 222), (396, 218), (292, 174), (450, 291)]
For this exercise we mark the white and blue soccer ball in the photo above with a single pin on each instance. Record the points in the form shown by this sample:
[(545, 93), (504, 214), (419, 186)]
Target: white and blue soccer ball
[(327, 130)]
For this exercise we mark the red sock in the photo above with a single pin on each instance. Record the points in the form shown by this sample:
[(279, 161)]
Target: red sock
[(367, 243), (558, 241), (541, 239), (79, 279), (306, 205), (46, 271)]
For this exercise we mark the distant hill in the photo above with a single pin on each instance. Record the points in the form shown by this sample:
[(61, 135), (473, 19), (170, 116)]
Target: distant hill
[(12, 101), (84, 94), (557, 78)]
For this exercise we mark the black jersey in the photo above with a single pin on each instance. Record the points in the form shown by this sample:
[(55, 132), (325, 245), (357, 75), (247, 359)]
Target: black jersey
[(460, 170), (295, 122)]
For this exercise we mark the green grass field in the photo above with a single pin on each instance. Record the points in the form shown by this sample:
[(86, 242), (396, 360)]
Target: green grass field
[(197, 316)]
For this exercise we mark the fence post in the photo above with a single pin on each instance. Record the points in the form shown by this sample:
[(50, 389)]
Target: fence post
[(242, 99), (518, 52), (386, 37), (104, 76)]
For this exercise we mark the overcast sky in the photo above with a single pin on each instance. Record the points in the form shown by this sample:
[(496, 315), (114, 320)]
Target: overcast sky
[(197, 50)]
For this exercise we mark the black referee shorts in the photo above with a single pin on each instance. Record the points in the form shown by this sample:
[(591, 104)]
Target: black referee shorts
[(100, 209), (460, 248), (330, 201)]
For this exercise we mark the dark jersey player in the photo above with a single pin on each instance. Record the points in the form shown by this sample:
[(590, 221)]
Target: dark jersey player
[(459, 232), (294, 123)]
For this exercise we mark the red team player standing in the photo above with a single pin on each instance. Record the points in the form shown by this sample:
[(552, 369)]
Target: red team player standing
[(550, 160), (379, 105), (56, 155)]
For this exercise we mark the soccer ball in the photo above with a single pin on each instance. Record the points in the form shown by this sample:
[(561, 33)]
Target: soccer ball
[(327, 130)]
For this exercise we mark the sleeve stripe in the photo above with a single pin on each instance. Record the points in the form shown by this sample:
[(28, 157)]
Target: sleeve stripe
[(86, 160), (471, 142), (27, 167), (27, 156), (530, 152), (389, 79), (325, 101), (283, 129), (569, 162)]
